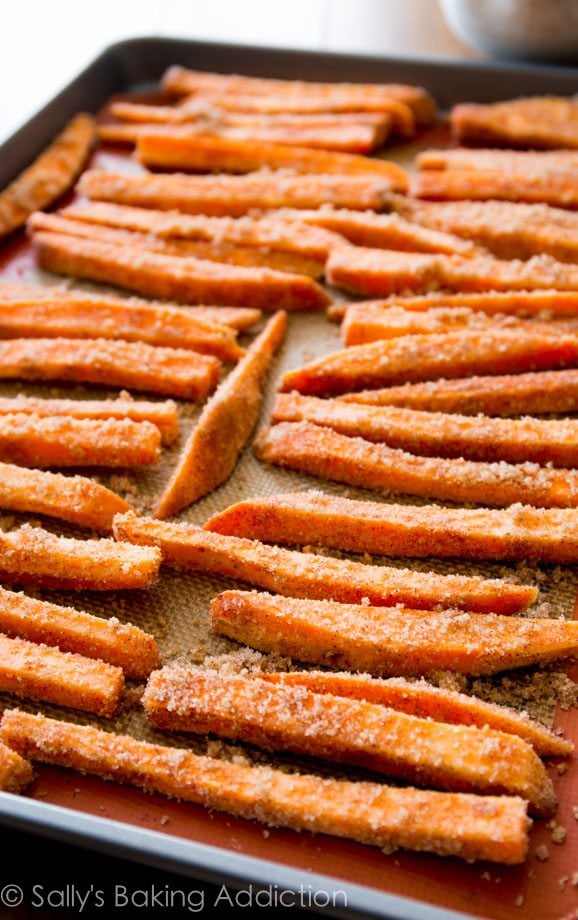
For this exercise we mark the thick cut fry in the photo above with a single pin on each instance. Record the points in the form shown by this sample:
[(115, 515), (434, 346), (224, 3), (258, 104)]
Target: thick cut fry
[(32, 556), (534, 121), (418, 698), (296, 719), (458, 824), (49, 176), (517, 532), (40, 672), (307, 575), (535, 394), (161, 414), (322, 452), (214, 154), (53, 441), (555, 188), (187, 280), (123, 645), (437, 434), (15, 772), (237, 195), (514, 160), (384, 641), (75, 499), (540, 304), (382, 272), (212, 450), (180, 81), (169, 371), (413, 358)]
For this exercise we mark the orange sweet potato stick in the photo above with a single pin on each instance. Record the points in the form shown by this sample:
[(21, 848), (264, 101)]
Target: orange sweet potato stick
[(210, 154), (533, 121), (322, 452), (458, 824), (32, 556), (169, 371), (411, 359), (225, 425), (53, 441), (513, 160), (381, 272), (40, 672), (390, 641), (554, 187), (75, 499), (236, 195), (172, 277), (533, 394), (307, 575), (161, 414), (334, 728), (122, 645), (15, 772), (437, 434), (517, 532), (539, 304), (49, 176)]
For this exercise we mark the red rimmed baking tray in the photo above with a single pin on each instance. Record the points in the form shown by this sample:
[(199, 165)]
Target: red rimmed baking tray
[(214, 846)]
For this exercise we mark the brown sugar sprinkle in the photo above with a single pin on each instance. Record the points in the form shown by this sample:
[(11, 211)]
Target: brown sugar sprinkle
[(558, 832), (542, 853)]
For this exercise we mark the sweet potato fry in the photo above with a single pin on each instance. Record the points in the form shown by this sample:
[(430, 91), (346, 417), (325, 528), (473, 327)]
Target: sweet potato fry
[(212, 450), (53, 441), (381, 272), (534, 121), (418, 698), (123, 645), (556, 188), (15, 772), (513, 160), (50, 175), (391, 640), (296, 719), (517, 532), (75, 499), (161, 414), (32, 556), (539, 304), (413, 358), (185, 280), (307, 575), (40, 672), (236, 195), (212, 154), (169, 371), (533, 394), (437, 434), (458, 824), (322, 452)]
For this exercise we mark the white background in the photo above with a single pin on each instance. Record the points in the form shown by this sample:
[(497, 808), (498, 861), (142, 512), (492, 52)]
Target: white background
[(45, 43)]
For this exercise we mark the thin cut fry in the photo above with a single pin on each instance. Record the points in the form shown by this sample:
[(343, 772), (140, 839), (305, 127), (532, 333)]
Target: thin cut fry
[(517, 532), (75, 499), (169, 371), (540, 304), (212, 450), (15, 772), (49, 176), (213, 154), (458, 824), (436, 434), (32, 556), (53, 441), (384, 641), (418, 698), (237, 195), (533, 394), (413, 358), (307, 575), (514, 160), (535, 121), (40, 672), (555, 187), (172, 277), (161, 414), (296, 719), (381, 272), (322, 452)]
